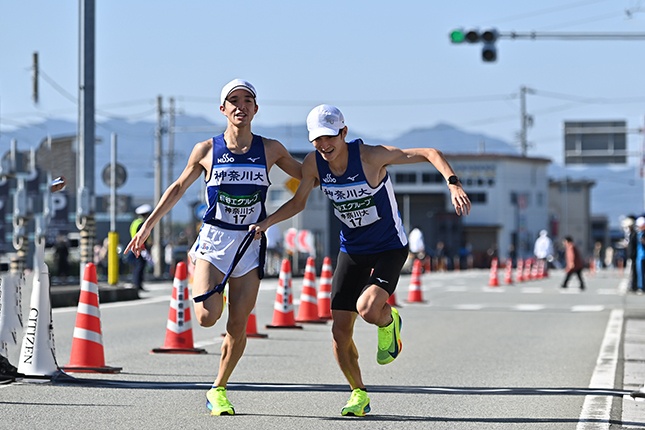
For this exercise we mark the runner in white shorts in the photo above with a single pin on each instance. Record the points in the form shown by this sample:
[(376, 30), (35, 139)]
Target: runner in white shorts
[(235, 166)]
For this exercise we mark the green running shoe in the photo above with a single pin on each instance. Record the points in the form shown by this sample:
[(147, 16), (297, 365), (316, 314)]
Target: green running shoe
[(389, 340), (218, 403), (358, 404)]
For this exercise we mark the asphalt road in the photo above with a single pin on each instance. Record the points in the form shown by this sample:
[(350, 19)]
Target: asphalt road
[(525, 356)]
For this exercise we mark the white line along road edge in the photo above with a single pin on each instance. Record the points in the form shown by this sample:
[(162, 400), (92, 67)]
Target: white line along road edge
[(596, 410)]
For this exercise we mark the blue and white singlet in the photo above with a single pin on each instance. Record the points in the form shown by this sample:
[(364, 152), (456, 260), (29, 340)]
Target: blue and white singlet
[(237, 187), (370, 217)]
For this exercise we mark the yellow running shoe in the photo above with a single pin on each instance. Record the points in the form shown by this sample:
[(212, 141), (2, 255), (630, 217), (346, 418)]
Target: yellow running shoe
[(358, 404), (389, 340), (218, 403)]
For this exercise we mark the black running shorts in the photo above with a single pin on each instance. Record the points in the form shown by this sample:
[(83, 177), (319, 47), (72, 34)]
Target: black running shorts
[(354, 273)]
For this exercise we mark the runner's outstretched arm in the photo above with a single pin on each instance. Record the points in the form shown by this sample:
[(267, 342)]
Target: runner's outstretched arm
[(381, 156), (298, 202), (170, 197)]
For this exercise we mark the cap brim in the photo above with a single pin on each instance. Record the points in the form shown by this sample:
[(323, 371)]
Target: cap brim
[(238, 87), (322, 131)]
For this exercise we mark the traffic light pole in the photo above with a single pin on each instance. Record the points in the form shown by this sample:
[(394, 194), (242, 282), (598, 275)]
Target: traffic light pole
[(533, 35), (490, 36)]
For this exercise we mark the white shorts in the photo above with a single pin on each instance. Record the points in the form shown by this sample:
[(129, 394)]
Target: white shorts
[(219, 246)]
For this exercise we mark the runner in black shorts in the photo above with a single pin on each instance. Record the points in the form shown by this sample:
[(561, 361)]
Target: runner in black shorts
[(356, 272), (354, 177)]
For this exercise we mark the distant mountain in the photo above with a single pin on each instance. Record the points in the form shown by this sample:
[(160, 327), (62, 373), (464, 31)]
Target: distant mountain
[(451, 140), (618, 190)]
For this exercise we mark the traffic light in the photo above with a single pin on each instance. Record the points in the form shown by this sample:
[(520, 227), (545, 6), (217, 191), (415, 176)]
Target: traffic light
[(489, 51), (487, 37), (458, 36)]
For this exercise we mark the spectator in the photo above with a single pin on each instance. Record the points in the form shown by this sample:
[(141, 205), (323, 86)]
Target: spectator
[(609, 257), (274, 250), (100, 258), (139, 264), (629, 226), (543, 249), (61, 257), (574, 263), (440, 257), (597, 255), (639, 255), (417, 243)]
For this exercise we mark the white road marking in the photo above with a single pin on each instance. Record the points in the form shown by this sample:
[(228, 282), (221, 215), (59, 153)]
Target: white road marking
[(529, 307), (467, 307), (587, 308), (596, 410)]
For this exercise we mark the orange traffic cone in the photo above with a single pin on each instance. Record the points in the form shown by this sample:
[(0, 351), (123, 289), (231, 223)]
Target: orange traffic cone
[(534, 270), (87, 344), (283, 307), (527, 269), (392, 301), (308, 310), (508, 275), (414, 293), (540, 270), (252, 327), (324, 291), (520, 270), (492, 279), (179, 331)]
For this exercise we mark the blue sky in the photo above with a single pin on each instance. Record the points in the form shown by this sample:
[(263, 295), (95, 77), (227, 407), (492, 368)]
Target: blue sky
[(389, 65)]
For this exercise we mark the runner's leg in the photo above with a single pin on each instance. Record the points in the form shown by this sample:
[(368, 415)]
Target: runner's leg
[(372, 306), (243, 293), (345, 349), (205, 278)]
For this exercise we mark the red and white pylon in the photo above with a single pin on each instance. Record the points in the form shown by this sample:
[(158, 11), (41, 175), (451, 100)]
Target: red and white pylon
[(308, 310), (324, 290), (179, 330), (87, 354)]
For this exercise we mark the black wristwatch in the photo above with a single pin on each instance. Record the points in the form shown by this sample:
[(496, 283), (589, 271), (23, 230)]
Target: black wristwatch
[(453, 180)]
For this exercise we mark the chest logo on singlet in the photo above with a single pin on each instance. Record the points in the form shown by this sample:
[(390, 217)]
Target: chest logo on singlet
[(226, 159), (353, 178), (329, 178), (253, 159)]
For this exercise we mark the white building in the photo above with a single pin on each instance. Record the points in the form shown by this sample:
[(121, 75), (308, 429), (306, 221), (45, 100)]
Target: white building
[(509, 195)]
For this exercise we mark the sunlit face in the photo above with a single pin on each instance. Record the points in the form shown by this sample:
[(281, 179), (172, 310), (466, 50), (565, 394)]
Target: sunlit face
[(239, 107), (329, 146)]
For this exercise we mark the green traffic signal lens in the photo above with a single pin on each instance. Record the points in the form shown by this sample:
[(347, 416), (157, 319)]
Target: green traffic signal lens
[(457, 36)]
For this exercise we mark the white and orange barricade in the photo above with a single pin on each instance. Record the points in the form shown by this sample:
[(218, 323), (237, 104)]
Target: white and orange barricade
[(179, 330)]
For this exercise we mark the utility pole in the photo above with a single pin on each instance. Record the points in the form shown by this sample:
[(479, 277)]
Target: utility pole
[(157, 255), (85, 221), (34, 78), (171, 163), (526, 120)]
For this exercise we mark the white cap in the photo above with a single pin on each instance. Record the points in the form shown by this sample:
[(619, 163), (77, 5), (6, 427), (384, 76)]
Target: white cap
[(143, 209), (640, 222), (324, 120), (236, 84), (543, 233)]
